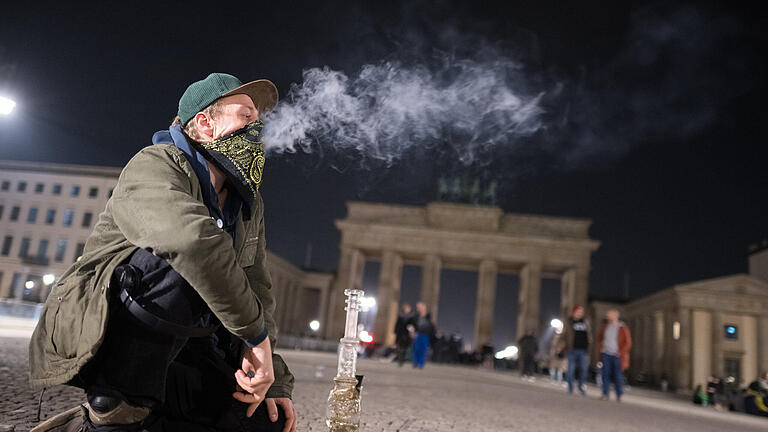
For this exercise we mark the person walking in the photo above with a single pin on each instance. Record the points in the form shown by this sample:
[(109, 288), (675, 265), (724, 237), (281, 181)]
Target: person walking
[(556, 359), (404, 327), (614, 343), (425, 330), (577, 335)]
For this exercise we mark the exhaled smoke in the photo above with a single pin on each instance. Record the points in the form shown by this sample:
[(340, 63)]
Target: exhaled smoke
[(385, 109)]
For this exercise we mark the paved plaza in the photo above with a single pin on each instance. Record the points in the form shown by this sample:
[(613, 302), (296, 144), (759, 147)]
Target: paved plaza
[(438, 398)]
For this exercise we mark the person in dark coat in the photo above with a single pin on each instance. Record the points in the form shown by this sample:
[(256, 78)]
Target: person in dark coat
[(404, 327), (528, 346)]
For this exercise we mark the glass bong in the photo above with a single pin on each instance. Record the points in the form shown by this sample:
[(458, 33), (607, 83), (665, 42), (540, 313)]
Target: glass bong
[(343, 413)]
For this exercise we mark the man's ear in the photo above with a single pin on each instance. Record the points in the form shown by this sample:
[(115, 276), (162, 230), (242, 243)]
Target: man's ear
[(204, 125)]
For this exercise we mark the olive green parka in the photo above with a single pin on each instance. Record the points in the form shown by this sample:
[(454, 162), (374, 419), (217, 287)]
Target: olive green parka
[(157, 204)]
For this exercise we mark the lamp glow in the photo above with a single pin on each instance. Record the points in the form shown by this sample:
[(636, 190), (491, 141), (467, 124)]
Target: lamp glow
[(556, 324), (48, 279), (314, 325), (508, 352), (6, 105), (367, 303), (29, 284), (366, 337)]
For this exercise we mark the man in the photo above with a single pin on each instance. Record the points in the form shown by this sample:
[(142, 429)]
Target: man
[(403, 328), (577, 336), (528, 346), (178, 250), (425, 330), (614, 343)]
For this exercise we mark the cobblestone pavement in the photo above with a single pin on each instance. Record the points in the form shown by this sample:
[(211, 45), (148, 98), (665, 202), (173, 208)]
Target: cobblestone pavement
[(438, 398)]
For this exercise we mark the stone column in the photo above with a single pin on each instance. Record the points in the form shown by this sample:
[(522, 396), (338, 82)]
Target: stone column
[(762, 342), (298, 323), (350, 276), (684, 350), (430, 284), (324, 299), (388, 297), (567, 293), (486, 296), (530, 292), (717, 343)]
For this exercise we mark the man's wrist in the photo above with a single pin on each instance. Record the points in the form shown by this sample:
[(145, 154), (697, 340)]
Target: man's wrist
[(256, 340)]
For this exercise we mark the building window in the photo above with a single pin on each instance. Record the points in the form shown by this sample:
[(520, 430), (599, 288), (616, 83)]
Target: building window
[(7, 243), (93, 192), (2, 208), (32, 215), (22, 187), (68, 216), (57, 189), (39, 188), (5, 185), (24, 249), (87, 216), (61, 249), (15, 210), (75, 190), (42, 250), (79, 250), (50, 216)]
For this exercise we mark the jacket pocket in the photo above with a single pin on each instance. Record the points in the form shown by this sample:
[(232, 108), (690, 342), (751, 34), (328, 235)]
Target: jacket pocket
[(68, 317), (250, 250)]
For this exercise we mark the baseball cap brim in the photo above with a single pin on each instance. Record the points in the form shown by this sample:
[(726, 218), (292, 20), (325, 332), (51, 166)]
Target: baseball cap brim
[(262, 92)]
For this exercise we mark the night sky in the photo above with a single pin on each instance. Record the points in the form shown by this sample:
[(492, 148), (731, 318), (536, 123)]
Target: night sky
[(652, 123)]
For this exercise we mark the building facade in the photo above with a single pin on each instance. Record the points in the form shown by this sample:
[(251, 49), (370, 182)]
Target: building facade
[(684, 334), (47, 212)]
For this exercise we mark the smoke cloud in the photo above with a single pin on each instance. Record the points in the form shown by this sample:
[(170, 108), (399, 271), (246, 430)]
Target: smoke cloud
[(385, 109)]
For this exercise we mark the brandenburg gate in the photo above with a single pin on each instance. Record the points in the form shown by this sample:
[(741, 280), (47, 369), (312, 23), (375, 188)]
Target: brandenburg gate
[(459, 237)]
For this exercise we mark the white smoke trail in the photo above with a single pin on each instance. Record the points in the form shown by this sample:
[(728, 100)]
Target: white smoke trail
[(387, 108)]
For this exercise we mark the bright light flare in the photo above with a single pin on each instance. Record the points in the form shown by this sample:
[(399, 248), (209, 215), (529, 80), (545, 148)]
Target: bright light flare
[(366, 337), (48, 279), (507, 353), (6, 105), (556, 324), (367, 303), (314, 325), (29, 284)]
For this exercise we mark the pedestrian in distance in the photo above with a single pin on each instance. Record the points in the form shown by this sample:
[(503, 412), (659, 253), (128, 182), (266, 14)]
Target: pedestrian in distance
[(577, 335), (614, 343), (556, 358), (404, 328), (527, 354), (167, 320), (425, 331)]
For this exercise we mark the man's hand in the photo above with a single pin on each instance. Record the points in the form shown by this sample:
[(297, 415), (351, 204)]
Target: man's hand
[(291, 419), (255, 376)]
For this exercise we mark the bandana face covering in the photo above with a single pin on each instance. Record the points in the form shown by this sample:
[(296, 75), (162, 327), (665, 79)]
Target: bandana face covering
[(240, 155)]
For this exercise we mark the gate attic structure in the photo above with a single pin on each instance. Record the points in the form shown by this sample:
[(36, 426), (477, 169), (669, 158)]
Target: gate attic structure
[(460, 237)]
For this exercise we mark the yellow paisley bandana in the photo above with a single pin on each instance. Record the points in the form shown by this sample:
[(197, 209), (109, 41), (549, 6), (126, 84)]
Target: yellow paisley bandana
[(240, 155)]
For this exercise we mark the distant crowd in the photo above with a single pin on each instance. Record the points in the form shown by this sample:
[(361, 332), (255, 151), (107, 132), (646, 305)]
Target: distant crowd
[(566, 358)]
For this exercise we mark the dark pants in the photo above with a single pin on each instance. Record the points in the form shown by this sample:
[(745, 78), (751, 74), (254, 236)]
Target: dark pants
[(528, 367), (577, 359), (188, 382), (612, 372), (403, 344)]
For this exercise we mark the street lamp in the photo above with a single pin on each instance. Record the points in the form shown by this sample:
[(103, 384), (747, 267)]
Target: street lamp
[(48, 279), (29, 284), (6, 105), (314, 325)]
